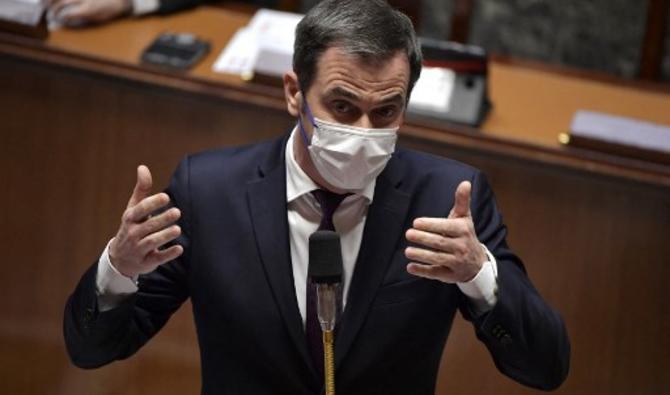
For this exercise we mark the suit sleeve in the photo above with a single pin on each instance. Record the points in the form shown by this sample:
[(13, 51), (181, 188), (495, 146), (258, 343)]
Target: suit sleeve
[(525, 336), (94, 338), (168, 6)]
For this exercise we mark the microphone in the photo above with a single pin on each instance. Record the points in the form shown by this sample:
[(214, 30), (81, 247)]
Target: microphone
[(325, 270)]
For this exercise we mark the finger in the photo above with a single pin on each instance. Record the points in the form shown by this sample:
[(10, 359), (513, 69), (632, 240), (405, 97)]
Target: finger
[(451, 227), (76, 16), (142, 186), (431, 240), (52, 3), (461, 201), (141, 211), (158, 222), (429, 257), (440, 273), (89, 12), (59, 6), (158, 239), (159, 257), (70, 15)]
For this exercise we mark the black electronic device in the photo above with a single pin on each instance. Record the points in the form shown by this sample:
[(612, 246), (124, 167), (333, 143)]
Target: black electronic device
[(176, 51), (325, 257), (468, 99)]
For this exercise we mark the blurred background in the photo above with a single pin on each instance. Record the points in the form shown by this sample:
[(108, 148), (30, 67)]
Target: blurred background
[(598, 35)]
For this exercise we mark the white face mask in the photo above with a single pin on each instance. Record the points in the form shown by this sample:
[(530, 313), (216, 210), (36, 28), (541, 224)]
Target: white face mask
[(348, 157)]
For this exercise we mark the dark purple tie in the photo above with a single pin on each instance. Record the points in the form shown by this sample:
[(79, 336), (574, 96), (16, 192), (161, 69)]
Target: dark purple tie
[(329, 202)]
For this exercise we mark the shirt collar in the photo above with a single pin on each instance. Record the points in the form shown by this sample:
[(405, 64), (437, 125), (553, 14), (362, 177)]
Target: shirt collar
[(298, 182)]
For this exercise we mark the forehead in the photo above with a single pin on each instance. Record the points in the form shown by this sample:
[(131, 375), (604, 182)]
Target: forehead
[(337, 69)]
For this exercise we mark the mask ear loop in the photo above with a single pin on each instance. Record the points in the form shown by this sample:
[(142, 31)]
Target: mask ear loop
[(308, 111)]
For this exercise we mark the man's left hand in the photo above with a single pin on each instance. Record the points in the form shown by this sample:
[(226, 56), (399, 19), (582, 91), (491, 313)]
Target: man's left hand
[(449, 249)]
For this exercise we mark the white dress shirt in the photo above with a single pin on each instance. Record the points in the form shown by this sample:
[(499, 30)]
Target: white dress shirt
[(304, 216)]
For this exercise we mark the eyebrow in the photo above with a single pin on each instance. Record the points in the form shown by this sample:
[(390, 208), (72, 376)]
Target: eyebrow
[(342, 92), (339, 91), (396, 99)]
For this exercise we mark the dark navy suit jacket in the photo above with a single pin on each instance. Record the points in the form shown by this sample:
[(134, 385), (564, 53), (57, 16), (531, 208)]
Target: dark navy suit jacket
[(236, 269), (168, 6)]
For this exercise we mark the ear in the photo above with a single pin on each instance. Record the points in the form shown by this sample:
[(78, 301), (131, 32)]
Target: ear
[(292, 93)]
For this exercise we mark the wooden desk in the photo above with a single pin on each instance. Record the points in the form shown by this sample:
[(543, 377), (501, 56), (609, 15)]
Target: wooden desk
[(78, 114)]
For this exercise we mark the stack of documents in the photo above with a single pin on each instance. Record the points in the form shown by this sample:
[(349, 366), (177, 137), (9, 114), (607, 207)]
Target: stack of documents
[(264, 46), (25, 12)]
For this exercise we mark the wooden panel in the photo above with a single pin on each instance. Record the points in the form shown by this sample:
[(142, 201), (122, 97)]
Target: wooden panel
[(71, 143), (653, 47), (460, 20), (535, 105)]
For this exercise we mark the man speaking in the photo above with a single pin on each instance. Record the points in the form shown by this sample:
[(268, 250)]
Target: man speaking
[(421, 238)]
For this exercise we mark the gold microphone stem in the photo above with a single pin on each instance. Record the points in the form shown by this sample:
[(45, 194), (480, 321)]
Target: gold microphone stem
[(328, 362)]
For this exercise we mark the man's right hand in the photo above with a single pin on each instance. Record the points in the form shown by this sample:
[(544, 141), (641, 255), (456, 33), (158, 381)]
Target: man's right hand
[(78, 13), (135, 248)]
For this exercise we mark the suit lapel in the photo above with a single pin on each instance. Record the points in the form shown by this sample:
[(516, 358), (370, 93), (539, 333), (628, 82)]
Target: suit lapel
[(383, 227), (267, 205), (386, 216)]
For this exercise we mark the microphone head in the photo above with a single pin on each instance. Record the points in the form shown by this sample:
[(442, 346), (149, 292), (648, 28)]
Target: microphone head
[(325, 257)]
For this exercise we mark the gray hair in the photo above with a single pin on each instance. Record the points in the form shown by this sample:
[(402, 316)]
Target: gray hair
[(369, 29)]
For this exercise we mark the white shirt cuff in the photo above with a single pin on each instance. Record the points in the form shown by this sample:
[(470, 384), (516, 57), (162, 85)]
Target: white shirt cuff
[(141, 7), (112, 287), (482, 289)]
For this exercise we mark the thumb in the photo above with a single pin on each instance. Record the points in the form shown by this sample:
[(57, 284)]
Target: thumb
[(461, 200), (142, 187)]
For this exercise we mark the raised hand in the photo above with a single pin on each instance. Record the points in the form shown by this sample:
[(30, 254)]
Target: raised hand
[(75, 13), (449, 249), (136, 247)]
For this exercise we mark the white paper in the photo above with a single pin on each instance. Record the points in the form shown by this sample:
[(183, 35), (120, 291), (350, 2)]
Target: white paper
[(275, 29), (433, 90), (239, 56), (621, 130), (264, 45), (27, 12)]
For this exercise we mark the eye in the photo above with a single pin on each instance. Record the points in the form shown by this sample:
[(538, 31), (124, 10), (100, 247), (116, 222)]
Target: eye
[(342, 107), (387, 112)]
